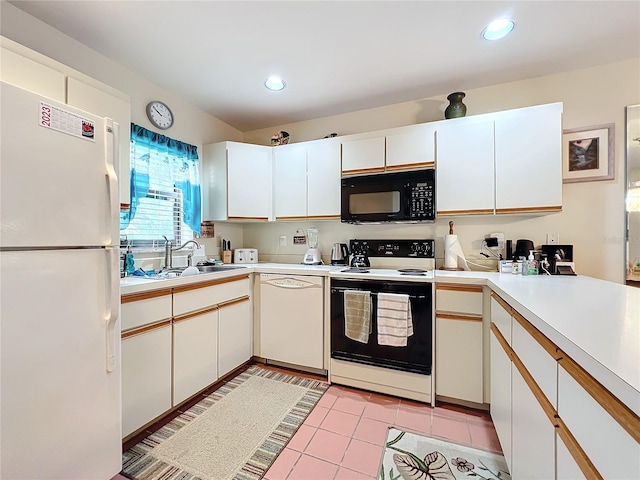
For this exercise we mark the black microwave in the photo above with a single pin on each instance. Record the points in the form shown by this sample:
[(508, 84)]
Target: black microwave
[(403, 197)]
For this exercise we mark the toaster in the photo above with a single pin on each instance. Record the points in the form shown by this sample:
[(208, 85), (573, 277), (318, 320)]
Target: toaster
[(245, 255)]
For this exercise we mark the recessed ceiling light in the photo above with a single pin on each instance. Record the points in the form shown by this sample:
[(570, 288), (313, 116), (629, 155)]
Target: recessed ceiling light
[(274, 82), (497, 29)]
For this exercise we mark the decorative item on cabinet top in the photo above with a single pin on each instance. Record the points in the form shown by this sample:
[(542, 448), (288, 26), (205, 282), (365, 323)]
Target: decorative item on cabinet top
[(280, 138), (456, 108)]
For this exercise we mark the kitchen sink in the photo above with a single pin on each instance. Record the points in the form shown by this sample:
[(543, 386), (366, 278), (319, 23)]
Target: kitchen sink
[(216, 268)]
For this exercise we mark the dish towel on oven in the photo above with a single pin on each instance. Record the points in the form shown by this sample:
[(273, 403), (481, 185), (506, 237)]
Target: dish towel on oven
[(394, 319), (357, 315)]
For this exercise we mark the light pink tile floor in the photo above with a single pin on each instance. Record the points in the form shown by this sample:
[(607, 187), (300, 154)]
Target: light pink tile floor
[(343, 437)]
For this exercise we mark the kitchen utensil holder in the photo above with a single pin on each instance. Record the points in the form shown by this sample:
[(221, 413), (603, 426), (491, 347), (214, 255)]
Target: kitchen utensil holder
[(226, 256)]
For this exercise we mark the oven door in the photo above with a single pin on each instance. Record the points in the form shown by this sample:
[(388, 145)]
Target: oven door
[(415, 357)]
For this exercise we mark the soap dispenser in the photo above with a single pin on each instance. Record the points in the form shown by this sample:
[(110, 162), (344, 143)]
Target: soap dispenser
[(532, 264), (129, 263)]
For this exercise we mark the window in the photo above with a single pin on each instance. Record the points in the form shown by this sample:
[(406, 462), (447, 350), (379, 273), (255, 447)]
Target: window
[(165, 191)]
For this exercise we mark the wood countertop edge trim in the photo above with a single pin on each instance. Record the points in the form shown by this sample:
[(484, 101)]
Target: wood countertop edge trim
[(144, 295), (459, 287), (208, 283)]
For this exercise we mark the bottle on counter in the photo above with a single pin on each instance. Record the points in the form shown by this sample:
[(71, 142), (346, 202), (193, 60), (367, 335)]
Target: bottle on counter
[(531, 264), (129, 262)]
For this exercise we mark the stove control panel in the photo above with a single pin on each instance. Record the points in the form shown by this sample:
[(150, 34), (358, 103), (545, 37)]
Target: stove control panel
[(393, 248)]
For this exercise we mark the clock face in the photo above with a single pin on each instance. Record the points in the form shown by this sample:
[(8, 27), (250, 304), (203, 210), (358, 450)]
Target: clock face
[(160, 115)]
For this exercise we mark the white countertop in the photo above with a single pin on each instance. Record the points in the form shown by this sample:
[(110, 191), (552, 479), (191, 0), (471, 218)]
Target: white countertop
[(597, 323), (594, 321)]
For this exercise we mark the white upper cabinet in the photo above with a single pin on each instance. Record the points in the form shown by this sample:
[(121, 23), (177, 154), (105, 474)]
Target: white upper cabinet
[(401, 148), (290, 181), (32, 75), (363, 155), (411, 147), (464, 168), (307, 180), (528, 153), (503, 162), (323, 178), (237, 182)]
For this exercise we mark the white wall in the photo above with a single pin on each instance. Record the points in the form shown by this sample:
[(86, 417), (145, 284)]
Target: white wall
[(593, 213)]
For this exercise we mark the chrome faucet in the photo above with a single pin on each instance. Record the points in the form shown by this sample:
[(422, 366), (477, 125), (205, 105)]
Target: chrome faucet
[(168, 251)]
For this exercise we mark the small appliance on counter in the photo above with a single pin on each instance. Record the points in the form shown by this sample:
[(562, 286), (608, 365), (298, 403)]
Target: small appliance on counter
[(359, 260), (245, 255), (312, 255), (523, 247), (339, 254), (560, 258)]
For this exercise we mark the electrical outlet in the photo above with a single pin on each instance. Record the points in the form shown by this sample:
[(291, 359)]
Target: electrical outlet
[(282, 242), (553, 239)]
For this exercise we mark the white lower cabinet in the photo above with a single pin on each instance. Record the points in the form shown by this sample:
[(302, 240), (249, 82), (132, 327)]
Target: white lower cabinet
[(501, 396), (566, 466), (235, 330), (195, 355), (459, 364), (532, 434), (612, 450), (146, 375), (459, 367)]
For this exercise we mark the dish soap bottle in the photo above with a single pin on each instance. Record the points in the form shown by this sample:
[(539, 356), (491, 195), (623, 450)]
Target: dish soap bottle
[(129, 263), (532, 264)]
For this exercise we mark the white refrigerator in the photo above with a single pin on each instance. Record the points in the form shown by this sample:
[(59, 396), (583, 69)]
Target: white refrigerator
[(60, 390)]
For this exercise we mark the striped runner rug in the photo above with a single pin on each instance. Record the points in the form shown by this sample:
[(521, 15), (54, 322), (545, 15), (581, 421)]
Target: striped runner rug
[(235, 433)]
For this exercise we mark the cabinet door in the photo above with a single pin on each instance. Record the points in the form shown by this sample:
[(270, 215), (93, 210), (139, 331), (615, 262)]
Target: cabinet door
[(235, 331), (465, 169), (364, 155), (604, 441), (249, 180), (528, 151), (532, 434), (411, 147), (566, 466), (92, 99), (33, 76), (323, 178), (290, 181), (195, 354), (459, 363), (501, 396), (146, 376)]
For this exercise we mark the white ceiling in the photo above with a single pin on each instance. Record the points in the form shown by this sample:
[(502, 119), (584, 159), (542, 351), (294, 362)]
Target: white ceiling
[(337, 56)]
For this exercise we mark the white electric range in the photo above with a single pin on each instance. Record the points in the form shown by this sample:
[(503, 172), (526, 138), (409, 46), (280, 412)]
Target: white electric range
[(403, 268)]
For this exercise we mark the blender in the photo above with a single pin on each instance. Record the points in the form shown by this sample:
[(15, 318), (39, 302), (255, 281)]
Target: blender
[(312, 255)]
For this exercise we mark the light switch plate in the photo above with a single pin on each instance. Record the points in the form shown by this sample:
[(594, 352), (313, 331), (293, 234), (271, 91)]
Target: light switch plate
[(282, 241)]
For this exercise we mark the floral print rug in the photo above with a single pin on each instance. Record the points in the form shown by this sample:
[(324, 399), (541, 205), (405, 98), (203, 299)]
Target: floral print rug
[(409, 456)]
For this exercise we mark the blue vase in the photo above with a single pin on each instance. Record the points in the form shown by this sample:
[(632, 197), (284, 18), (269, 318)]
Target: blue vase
[(456, 108)]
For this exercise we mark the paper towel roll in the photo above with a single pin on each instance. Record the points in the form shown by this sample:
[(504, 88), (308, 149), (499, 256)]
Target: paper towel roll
[(453, 253)]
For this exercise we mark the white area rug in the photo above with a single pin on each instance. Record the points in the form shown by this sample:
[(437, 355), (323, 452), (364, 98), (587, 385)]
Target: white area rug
[(415, 457), (234, 433)]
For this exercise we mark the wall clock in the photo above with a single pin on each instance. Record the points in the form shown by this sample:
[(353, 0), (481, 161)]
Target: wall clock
[(159, 114)]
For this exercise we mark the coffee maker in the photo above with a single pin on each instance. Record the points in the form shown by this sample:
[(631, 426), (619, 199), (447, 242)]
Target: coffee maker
[(560, 259)]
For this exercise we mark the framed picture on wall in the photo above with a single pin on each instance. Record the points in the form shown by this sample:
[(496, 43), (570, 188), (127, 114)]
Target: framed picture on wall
[(588, 154)]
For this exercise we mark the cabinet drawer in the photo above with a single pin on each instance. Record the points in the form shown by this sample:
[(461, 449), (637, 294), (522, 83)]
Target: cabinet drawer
[(195, 297), (611, 449), (538, 362), (459, 299), (145, 308)]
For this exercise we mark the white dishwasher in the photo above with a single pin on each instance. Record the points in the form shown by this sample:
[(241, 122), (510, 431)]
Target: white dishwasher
[(292, 319)]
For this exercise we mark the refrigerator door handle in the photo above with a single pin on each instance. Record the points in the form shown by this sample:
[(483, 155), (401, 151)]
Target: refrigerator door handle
[(113, 307), (112, 138)]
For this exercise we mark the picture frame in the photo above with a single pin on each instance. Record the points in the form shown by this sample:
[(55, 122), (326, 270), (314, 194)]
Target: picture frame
[(588, 154)]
